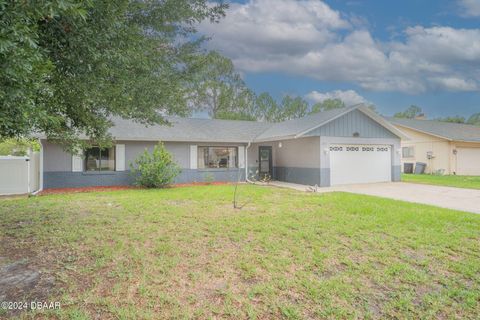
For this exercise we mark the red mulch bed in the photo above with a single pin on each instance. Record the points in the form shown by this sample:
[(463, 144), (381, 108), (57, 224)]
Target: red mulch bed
[(114, 188), (84, 189)]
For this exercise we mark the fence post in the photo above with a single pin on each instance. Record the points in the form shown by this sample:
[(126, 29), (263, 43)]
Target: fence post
[(28, 171)]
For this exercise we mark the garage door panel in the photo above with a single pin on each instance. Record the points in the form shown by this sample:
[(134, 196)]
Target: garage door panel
[(468, 161), (351, 164)]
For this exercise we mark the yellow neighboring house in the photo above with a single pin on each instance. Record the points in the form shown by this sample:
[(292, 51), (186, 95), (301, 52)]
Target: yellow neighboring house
[(446, 148)]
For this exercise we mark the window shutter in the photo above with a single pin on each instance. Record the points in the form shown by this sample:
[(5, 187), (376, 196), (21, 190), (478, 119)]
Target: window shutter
[(241, 157), (193, 156), (77, 162), (120, 157)]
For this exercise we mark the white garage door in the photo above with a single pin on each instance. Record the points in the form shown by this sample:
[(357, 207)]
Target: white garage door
[(351, 164), (468, 161)]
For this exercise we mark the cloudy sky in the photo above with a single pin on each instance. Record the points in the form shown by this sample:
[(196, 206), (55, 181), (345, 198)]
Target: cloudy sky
[(390, 53)]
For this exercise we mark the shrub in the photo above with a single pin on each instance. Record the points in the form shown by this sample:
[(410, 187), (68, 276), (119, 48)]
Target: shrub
[(156, 169)]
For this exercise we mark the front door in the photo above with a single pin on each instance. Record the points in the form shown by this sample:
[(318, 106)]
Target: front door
[(265, 162)]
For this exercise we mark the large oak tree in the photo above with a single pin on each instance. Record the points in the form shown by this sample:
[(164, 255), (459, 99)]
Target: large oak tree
[(68, 66)]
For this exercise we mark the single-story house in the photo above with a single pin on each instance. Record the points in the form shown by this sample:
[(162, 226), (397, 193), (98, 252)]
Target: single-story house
[(448, 148), (341, 146)]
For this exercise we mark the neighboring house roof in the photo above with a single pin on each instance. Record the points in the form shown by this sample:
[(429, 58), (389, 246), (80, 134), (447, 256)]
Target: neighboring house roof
[(447, 130)]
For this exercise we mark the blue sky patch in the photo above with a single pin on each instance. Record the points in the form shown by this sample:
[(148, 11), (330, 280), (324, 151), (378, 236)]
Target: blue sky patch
[(389, 53)]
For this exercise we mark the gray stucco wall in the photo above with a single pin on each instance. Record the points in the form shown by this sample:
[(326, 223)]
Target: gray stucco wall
[(64, 179), (297, 160), (58, 166), (350, 123), (55, 158), (179, 150)]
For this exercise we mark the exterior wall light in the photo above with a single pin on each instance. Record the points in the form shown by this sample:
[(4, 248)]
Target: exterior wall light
[(280, 144)]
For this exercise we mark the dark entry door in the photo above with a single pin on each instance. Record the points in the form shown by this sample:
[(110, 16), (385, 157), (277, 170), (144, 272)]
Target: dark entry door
[(265, 162)]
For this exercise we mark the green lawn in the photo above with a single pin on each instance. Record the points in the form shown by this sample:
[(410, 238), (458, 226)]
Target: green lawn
[(470, 182), (186, 253)]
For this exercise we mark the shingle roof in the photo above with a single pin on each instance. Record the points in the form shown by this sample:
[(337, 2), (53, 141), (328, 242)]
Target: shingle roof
[(190, 129), (215, 130), (447, 130)]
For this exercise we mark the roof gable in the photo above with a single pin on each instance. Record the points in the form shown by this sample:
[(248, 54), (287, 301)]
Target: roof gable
[(296, 127), (354, 122)]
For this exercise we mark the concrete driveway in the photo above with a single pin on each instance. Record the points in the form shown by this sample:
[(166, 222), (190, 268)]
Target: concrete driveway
[(445, 197)]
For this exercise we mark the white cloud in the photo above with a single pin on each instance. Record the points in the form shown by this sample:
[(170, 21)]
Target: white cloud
[(349, 97), (289, 27), (470, 8), (311, 39), (455, 84)]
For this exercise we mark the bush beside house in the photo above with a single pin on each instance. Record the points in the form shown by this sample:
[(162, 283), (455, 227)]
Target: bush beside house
[(156, 169)]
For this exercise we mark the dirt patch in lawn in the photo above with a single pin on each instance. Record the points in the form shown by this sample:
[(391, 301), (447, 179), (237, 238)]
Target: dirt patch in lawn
[(28, 271), (24, 281)]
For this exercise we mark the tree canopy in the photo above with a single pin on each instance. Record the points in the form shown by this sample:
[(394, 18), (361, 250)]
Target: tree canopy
[(328, 104), (219, 90), (453, 119), (474, 119), (410, 113), (68, 66)]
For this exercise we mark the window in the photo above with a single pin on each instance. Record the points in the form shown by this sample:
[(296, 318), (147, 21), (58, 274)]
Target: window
[(97, 159), (217, 157), (408, 152)]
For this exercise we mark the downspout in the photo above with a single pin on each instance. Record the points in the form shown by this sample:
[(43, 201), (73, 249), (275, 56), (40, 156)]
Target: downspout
[(246, 163), (40, 165)]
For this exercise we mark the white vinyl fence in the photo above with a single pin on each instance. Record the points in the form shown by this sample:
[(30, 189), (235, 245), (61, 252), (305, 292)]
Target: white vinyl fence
[(19, 175)]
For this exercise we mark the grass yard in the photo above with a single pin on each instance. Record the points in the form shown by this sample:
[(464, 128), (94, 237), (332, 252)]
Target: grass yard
[(469, 182), (185, 253)]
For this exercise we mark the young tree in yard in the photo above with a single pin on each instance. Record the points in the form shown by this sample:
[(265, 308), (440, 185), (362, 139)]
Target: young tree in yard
[(156, 169), (67, 66), (328, 104), (410, 113)]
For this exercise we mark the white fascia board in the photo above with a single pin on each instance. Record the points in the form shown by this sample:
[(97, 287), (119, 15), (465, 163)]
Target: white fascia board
[(274, 139), (424, 132)]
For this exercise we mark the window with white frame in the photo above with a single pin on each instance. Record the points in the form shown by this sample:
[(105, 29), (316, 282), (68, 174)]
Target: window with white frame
[(408, 152), (100, 159), (217, 157)]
